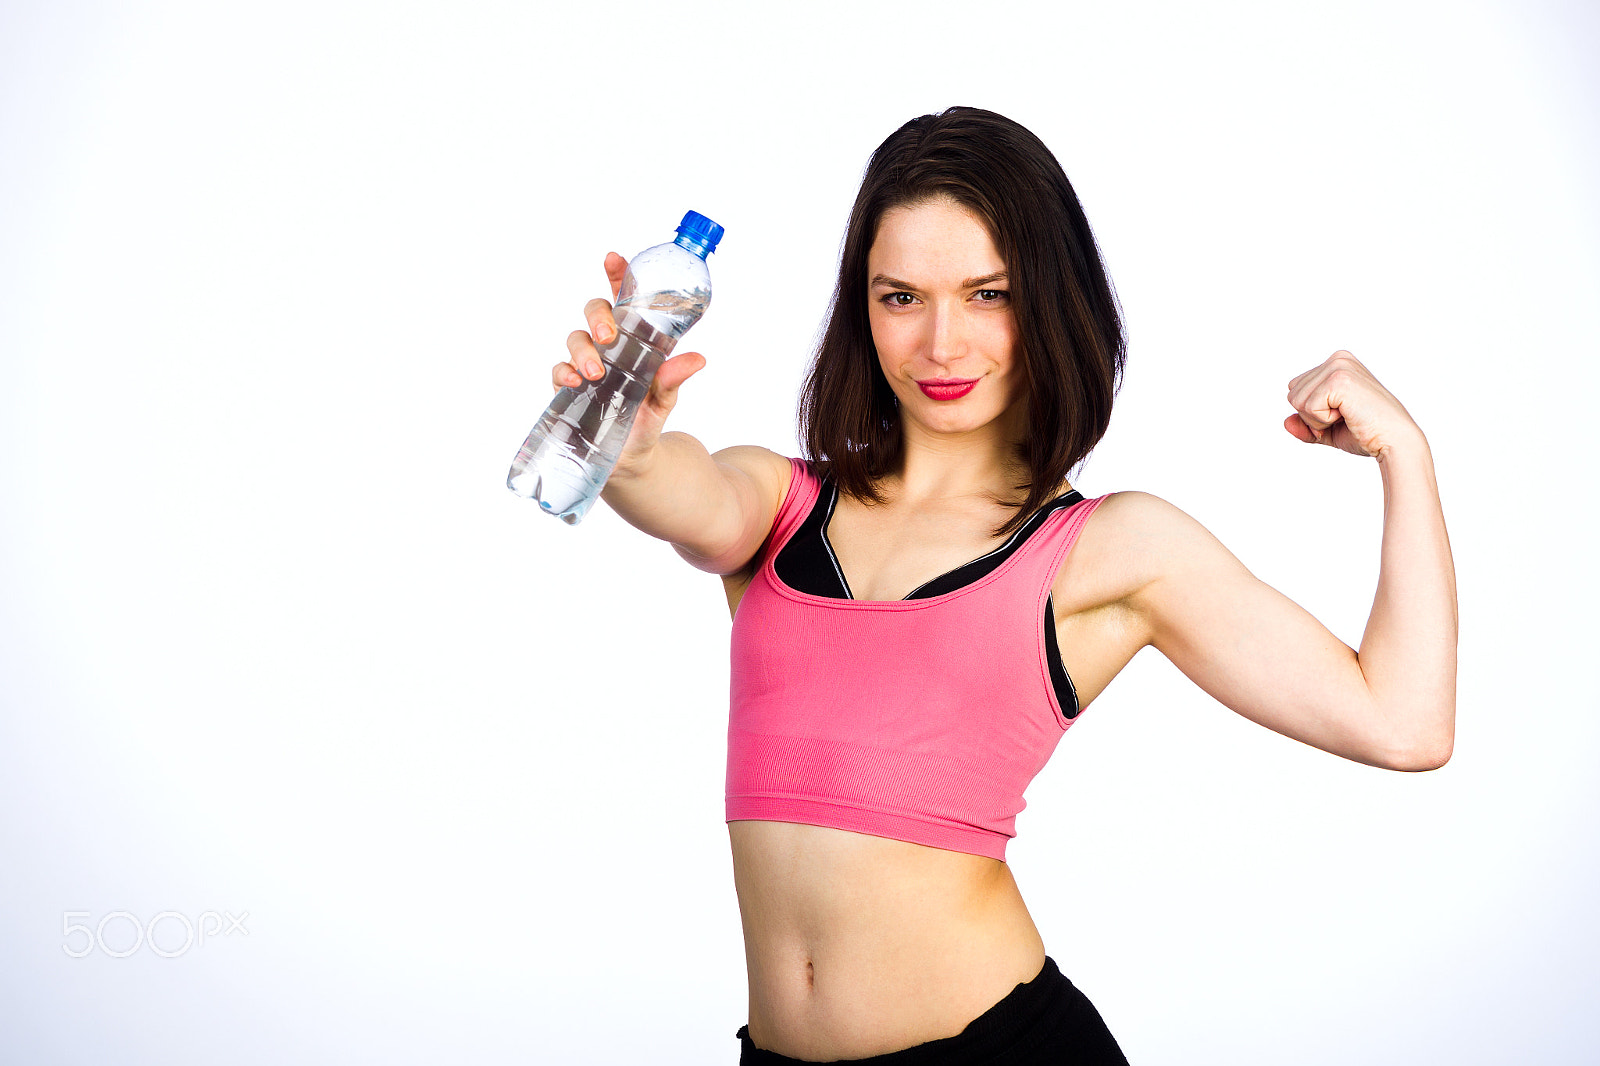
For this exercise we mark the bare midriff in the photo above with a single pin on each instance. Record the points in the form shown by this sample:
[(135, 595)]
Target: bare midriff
[(859, 945)]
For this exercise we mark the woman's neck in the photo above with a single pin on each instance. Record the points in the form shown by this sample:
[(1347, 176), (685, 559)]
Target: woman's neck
[(980, 463)]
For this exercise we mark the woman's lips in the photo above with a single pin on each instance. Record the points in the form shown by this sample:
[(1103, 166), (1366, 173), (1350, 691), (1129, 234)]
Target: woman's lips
[(947, 388)]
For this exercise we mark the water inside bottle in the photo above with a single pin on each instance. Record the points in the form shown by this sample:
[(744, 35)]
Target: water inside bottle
[(670, 312), (570, 452), (560, 484)]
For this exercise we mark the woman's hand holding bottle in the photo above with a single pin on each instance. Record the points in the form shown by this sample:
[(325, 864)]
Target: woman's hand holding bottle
[(571, 453), (585, 365)]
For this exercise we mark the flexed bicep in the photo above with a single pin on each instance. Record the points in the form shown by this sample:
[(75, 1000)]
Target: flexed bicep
[(1257, 651)]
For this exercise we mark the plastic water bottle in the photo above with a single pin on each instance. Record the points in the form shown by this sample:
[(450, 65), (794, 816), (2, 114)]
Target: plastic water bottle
[(566, 459)]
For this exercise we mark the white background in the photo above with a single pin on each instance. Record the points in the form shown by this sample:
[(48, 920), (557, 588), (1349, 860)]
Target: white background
[(280, 287)]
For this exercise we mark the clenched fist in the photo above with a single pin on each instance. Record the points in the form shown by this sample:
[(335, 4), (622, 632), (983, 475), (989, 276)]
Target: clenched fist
[(1341, 404)]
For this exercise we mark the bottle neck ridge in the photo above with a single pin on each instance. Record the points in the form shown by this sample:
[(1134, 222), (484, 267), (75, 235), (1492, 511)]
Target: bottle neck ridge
[(689, 243)]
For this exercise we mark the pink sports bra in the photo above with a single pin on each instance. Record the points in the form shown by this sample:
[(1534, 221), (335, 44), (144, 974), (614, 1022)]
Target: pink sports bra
[(921, 719)]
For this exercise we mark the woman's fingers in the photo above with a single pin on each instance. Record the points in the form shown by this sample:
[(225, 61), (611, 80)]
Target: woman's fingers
[(585, 364), (616, 267), (1340, 403), (1316, 407), (602, 325), (584, 347), (1299, 430), (585, 358), (565, 376)]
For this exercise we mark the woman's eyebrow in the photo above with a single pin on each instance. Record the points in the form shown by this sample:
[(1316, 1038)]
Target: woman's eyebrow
[(970, 283)]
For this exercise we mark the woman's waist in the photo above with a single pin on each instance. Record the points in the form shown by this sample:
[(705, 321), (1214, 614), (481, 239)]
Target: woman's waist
[(857, 945)]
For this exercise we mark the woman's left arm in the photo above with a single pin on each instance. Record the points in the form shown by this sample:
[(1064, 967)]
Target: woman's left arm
[(1392, 704)]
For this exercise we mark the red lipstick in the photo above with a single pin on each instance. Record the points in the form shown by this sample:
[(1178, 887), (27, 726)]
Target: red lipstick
[(947, 388)]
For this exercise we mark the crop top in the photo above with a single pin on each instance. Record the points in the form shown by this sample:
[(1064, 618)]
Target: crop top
[(921, 719)]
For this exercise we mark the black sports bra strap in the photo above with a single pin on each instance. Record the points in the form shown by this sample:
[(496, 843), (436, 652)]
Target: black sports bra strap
[(807, 563)]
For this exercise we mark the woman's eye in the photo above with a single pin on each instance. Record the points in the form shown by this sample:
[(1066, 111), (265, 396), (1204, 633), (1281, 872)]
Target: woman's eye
[(992, 295), (900, 299)]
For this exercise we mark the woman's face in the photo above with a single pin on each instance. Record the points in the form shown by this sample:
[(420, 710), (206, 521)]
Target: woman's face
[(940, 309)]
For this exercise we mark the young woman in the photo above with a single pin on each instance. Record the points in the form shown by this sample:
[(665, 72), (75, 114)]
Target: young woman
[(924, 607)]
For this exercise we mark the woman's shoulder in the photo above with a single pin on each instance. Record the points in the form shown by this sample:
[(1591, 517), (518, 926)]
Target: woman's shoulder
[(767, 468), (1131, 540), (1131, 511), (1152, 524), (753, 455), (774, 486), (1131, 508)]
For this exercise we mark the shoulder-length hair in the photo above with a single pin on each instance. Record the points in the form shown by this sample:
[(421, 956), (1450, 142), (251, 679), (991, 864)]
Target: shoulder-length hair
[(1068, 323)]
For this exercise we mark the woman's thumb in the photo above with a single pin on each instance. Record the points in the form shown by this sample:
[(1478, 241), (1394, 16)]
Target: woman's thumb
[(677, 370)]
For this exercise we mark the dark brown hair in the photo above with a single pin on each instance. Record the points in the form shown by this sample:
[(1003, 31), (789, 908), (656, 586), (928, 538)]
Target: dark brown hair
[(1069, 326)]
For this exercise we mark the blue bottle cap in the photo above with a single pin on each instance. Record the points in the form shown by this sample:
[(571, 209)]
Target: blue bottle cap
[(699, 234)]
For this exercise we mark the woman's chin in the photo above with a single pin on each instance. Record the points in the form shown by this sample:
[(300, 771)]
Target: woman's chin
[(952, 421)]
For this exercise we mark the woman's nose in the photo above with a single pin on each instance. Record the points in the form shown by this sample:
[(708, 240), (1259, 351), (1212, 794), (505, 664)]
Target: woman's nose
[(948, 340)]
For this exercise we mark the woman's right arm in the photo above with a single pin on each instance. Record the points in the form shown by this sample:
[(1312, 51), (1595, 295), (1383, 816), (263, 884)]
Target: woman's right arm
[(716, 510)]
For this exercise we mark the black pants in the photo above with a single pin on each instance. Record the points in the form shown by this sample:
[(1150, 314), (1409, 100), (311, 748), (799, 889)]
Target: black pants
[(1046, 1020)]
